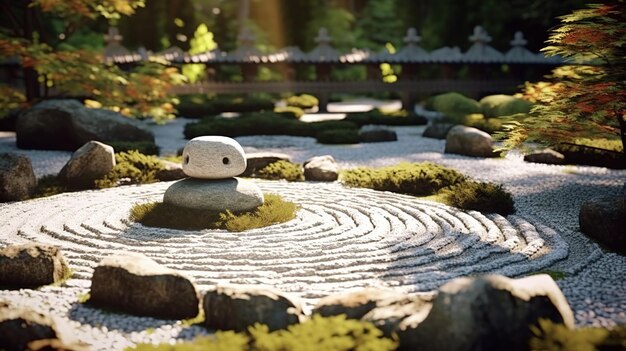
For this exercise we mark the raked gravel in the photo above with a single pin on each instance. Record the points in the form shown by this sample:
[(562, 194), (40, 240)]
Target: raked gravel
[(380, 235)]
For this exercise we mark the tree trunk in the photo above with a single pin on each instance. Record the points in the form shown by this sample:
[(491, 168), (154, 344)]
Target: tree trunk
[(30, 75), (622, 132)]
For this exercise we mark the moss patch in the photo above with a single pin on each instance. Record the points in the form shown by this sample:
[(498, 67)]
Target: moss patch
[(479, 196), (552, 336), (279, 170), (157, 214), (131, 167)]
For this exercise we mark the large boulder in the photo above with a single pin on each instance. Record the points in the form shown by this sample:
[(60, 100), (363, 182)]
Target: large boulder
[(19, 327), (17, 179), (259, 160), (547, 156), (233, 194), (437, 130), (469, 141), (239, 307), (31, 265), (92, 161), (213, 157), (67, 125), (604, 219), (487, 313), (321, 168), (135, 284)]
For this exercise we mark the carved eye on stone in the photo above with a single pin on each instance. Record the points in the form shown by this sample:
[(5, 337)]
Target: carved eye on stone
[(225, 160), (187, 159)]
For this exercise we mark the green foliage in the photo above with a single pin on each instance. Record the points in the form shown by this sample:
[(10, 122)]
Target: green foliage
[(378, 24), (453, 104), (10, 99), (338, 136), (201, 105), (201, 42), (504, 105), (290, 111), (420, 179), (586, 100), (49, 185), (551, 336), (378, 117), (320, 333), (304, 101), (261, 123), (279, 170), (157, 214), (131, 167), (144, 147), (479, 196)]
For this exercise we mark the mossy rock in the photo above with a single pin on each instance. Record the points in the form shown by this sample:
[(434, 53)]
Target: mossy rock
[(504, 105), (378, 117), (303, 101), (480, 196), (338, 136), (454, 104)]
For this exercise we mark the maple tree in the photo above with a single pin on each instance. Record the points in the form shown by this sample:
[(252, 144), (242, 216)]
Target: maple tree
[(586, 99), (52, 69)]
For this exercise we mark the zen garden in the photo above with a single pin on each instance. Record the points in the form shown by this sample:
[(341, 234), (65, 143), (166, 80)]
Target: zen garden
[(277, 175)]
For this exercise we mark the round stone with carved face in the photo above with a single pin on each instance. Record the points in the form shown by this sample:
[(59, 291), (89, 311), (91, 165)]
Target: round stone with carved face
[(213, 157)]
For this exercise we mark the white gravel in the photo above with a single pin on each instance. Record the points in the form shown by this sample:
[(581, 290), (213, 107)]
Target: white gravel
[(549, 197)]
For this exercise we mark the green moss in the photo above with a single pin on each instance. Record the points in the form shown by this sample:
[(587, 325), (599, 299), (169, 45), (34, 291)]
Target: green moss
[(378, 117), (144, 147), (409, 178), (131, 168), (290, 111), (304, 101), (197, 320), (338, 136), (320, 333), (550, 336), (480, 196), (157, 214), (49, 185), (279, 170), (454, 104), (83, 298), (504, 105), (555, 275)]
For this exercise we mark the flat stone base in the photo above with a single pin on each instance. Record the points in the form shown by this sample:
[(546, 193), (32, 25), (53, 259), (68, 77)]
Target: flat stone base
[(233, 194)]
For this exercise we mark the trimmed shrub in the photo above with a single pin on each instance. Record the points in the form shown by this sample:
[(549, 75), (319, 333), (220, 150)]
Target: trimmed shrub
[(504, 105), (479, 196), (144, 147), (157, 214), (550, 336), (279, 170), (304, 101), (378, 117), (200, 105), (453, 104), (290, 111), (131, 168), (338, 136), (420, 179), (320, 333)]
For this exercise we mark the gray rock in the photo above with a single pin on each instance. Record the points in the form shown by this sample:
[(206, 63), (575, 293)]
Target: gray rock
[(437, 130), (604, 219), (321, 168), (171, 171), (135, 284), (213, 157), (377, 135), (31, 265), (469, 141), (233, 194), (67, 125), (239, 307), (91, 161), (390, 313), (547, 156), (486, 313), (17, 179), (356, 304), (259, 160)]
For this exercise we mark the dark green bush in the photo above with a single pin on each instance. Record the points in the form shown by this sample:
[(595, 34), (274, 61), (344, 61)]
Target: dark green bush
[(261, 123), (158, 214), (131, 168), (504, 105), (49, 185), (304, 101), (279, 170), (420, 179), (378, 117), (453, 104), (290, 111), (480, 196), (320, 333), (200, 105), (338, 136), (144, 147), (550, 336)]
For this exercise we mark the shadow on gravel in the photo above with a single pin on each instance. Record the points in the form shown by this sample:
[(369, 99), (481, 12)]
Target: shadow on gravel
[(99, 318)]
